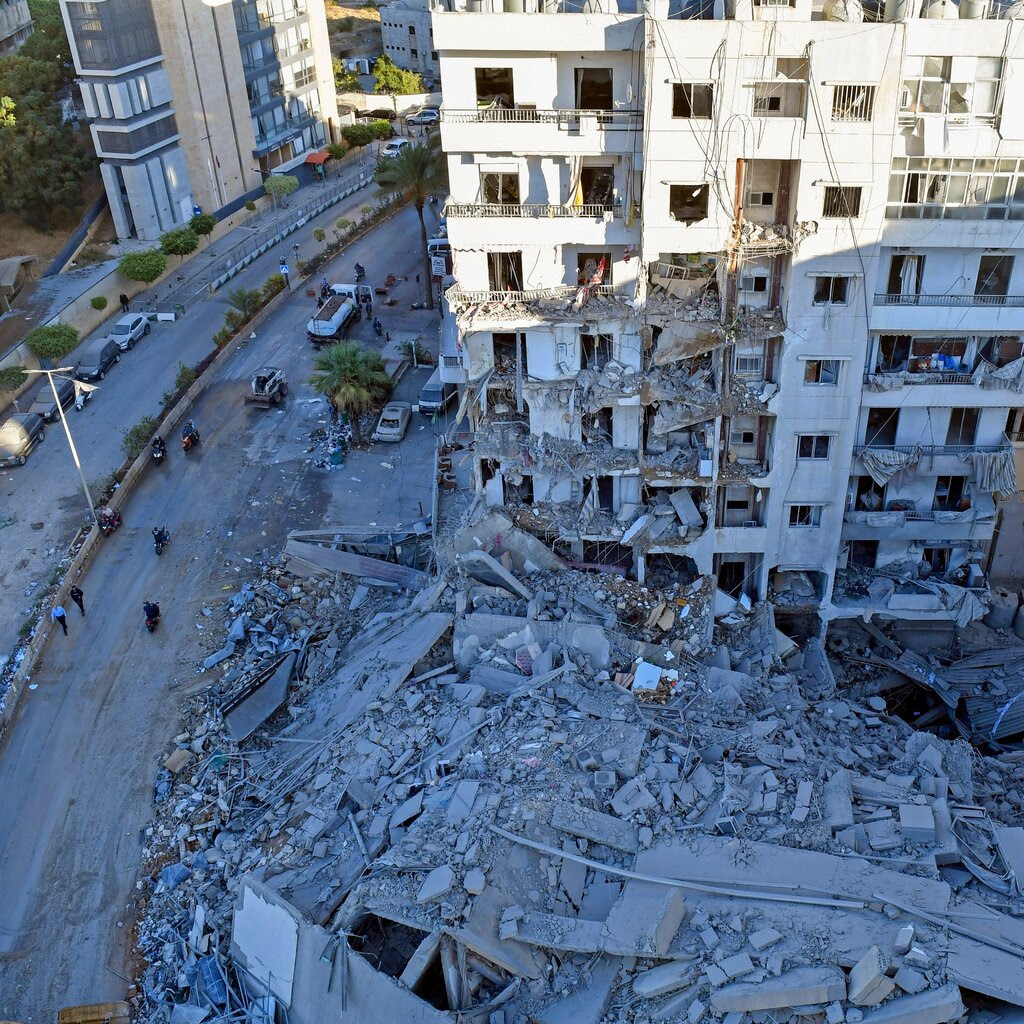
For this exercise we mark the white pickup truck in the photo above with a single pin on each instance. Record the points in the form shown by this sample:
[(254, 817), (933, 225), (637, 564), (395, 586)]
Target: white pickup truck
[(330, 320), (358, 293)]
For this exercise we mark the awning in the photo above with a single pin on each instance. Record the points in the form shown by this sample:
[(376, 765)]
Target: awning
[(318, 158)]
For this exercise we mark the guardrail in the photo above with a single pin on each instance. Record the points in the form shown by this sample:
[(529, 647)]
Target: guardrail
[(567, 118), (931, 449), (896, 299), (594, 211), (562, 291), (926, 377)]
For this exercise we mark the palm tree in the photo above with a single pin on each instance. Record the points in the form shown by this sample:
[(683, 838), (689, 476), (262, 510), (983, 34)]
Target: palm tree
[(415, 174), (245, 301), (353, 379)]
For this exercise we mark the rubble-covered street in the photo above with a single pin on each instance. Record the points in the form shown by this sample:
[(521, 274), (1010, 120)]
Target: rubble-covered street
[(518, 792)]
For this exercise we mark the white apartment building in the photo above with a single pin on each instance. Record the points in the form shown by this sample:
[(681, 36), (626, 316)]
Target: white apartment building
[(407, 37), (740, 291)]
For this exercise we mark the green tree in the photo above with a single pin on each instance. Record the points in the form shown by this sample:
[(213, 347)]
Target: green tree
[(272, 286), (381, 129), (49, 41), (54, 341), (185, 377), (30, 83), (146, 265), (246, 301), (345, 80), (415, 174), (179, 242), (358, 134), (12, 377), (8, 119), (41, 167), (393, 80), (203, 224), (352, 379), (337, 150), (280, 185)]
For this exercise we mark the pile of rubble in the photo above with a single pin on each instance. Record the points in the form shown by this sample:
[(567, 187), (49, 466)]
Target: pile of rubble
[(329, 444), (514, 797)]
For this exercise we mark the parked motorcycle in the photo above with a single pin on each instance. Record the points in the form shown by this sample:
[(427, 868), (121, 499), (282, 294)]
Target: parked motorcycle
[(152, 611), (109, 521), (378, 327), (189, 436), (159, 450), (160, 538)]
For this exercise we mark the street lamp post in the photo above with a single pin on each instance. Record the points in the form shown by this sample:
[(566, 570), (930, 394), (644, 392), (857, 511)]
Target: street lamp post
[(67, 431)]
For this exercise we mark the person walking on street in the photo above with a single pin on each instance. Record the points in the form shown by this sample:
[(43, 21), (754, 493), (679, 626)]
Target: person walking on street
[(57, 614), (78, 597), (124, 302)]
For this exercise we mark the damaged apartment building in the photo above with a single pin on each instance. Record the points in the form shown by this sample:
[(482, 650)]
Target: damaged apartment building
[(735, 289)]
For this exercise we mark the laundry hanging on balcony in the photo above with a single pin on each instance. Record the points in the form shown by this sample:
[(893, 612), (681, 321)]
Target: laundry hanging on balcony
[(883, 464), (1010, 376), (575, 195), (995, 472)]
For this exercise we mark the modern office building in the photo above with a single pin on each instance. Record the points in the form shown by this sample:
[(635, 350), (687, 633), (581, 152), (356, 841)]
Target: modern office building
[(737, 288), (15, 25), (193, 103), (407, 37)]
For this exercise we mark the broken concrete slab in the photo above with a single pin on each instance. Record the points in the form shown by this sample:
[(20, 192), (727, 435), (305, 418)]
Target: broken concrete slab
[(917, 823), (936, 1006), (644, 919), (488, 570), (586, 1003), (438, 883), (248, 710), (867, 975), (596, 826), (665, 978), (802, 986)]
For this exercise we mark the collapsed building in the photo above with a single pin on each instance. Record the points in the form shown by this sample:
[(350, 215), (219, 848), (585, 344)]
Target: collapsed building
[(723, 301), (516, 793)]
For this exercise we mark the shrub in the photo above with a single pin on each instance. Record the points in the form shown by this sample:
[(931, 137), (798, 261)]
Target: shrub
[(319, 234), (358, 134), (337, 150), (233, 320), (136, 438), (185, 377), (146, 265), (98, 302), (222, 337), (342, 224), (250, 205), (280, 185), (179, 242), (246, 301), (273, 286), (54, 341), (12, 377), (381, 129), (203, 224)]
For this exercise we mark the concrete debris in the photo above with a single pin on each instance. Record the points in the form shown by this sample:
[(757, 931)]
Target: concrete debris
[(517, 791)]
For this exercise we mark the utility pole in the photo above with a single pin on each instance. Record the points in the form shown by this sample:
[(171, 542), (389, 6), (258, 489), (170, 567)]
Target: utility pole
[(67, 431)]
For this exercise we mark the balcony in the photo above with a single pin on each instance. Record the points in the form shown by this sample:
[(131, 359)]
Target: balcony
[(544, 210), (471, 225), (984, 314), (459, 297), (932, 525), (925, 450), (993, 464), (534, 131)]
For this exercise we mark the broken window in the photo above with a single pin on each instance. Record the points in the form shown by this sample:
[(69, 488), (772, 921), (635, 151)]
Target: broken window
[(813, 446), (822, 371), (594, 268), (937, 558), (494, 87), (994, 275), (963, 426), (506, 351), (499, 187), (841, 201), (598, 186), (863, 553), (688, 203), (950, 494), (593, 88), (831, 291), (754, 283), (852, 102), (692, 99), (505, 271), (739, 507), (748, 365), (882, 426), (905, 273), (805, 515), (869, 496), (595, 350), (1002, 350), (603, 492), (962, 88)]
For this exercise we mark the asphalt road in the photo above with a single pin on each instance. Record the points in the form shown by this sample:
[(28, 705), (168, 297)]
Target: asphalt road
[(78, 765), (41, 503)]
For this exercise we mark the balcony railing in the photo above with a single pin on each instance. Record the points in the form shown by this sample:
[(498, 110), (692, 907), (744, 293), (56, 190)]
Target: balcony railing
[(1017, 437), (564, 119), (593, 211), (923, 377), (890, 299), (458, 297), (931, 449)]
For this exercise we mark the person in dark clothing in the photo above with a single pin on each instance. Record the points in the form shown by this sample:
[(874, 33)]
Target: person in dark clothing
[(79, 598), (124, 302), (417, 278)]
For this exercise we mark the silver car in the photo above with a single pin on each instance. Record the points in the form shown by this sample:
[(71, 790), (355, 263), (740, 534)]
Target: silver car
[(128, 330), (393, 422)]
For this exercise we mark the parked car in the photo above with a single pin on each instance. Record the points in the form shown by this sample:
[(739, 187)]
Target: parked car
[(19, 434), (45, 406), (425, 115), (393, 422), (97, 358), (435, 395), (394, 147), (128, 330), (380, 114)]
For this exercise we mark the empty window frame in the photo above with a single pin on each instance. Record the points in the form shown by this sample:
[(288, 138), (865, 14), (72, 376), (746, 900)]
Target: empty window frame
[(813, 446), (595, 350), (692, 99), (805, 515), (853, 103), (754, 283), (994, 275), (841, 201), (688, 203), (964, 89), (831, 291), (822, 371), (505, 271), (594, 268), (499, 187), (760, 199), (593, 88), (494, 87)]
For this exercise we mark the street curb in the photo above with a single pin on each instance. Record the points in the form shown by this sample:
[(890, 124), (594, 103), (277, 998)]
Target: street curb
[(18, 685)]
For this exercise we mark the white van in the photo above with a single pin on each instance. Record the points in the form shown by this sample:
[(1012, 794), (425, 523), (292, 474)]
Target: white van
[(435, 396)]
